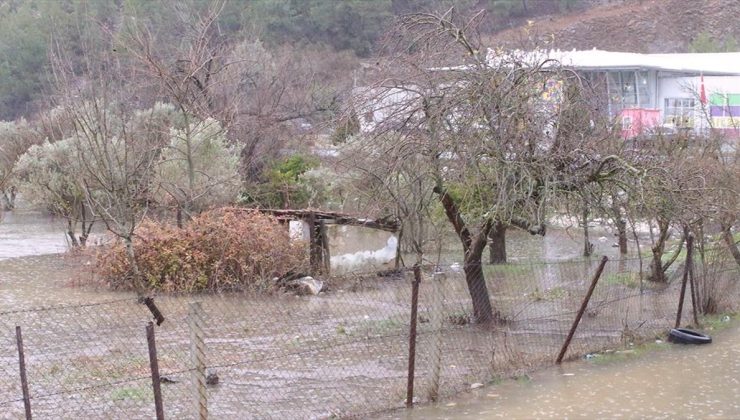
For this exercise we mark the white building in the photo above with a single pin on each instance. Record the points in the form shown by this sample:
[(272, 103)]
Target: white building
[(699, 91), (695, 91)]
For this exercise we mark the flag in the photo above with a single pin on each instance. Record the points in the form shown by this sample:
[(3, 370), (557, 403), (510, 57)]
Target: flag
[(702, 92)]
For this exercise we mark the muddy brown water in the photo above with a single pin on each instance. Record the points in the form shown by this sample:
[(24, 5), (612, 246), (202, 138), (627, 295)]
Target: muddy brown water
[(283, 357), (24, 233), (668, 382)]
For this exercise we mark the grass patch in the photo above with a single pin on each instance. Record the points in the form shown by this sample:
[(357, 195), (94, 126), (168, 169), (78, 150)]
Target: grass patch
[(508, 270), (496, 380), (553, 293), (614, 356), (718, 322), (138, 393), (523, 379), (628, 279), (372, 327)]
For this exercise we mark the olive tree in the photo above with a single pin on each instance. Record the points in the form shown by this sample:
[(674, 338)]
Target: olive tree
[(50, 177), (15, 138)]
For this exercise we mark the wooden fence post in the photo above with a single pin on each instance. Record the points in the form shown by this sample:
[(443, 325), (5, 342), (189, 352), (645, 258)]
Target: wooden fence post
[(198, 358)]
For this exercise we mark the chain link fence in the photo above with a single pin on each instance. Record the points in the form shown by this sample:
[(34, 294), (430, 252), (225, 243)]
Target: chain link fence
[(341, 353)]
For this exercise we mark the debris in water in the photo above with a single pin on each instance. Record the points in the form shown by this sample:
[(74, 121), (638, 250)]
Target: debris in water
[(476, 385), (212, 378)]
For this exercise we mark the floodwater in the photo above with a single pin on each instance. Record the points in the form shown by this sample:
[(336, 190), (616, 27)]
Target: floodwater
[(331, 324), (24, 233), (669, 382)]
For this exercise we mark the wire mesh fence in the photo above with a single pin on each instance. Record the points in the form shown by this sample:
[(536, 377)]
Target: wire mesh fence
[(341, 353)]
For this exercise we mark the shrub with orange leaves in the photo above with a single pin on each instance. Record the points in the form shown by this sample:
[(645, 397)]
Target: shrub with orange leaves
[(224, 249)]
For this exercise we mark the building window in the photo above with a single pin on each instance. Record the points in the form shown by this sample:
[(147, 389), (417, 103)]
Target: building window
[(629, 89), (679, 112)]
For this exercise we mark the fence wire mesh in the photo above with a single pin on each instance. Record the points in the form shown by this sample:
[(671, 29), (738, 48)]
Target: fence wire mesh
[(341, 353)]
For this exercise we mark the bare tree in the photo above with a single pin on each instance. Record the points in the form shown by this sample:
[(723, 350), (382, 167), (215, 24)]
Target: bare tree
[(116, 145), (494, 148), (260, 97)]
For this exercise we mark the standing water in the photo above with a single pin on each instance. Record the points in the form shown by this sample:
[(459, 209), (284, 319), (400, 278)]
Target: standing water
[(24, 233), (679, 382)]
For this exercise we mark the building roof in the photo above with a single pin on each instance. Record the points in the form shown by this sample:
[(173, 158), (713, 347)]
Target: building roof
[(711, 64)]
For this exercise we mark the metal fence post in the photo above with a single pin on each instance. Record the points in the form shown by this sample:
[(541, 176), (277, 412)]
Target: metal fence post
[(584, 305), (198, 358), (154, 366), (436, 320), (412, 336), (24, 379), (687, 267)]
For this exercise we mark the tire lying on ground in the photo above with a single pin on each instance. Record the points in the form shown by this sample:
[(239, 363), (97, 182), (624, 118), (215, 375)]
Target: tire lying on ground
[(686, 336)]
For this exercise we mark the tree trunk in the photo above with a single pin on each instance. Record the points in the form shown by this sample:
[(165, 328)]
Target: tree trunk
[(473, 247), (588, 247), (86, 228), (178, 216), (730, 242), (656, 266), (131, 256), (7, 204), (497, 244), (473, 267), (71, 234), (622, 235)]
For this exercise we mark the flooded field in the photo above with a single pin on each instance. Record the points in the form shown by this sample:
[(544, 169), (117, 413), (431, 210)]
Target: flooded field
[(24, 233), (344, 352), (668, 381)]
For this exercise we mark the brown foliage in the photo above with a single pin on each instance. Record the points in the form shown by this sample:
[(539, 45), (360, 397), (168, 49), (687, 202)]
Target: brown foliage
[(225, 249)]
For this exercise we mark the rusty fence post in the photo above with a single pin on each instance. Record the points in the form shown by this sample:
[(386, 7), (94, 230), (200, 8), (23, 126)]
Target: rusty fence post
[(412, 336), (582, 309), (198, 358), (154, 366), (24, 379), (686, 269)]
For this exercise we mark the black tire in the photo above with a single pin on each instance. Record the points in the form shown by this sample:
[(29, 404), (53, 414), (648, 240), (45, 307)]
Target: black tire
[(686, 336)]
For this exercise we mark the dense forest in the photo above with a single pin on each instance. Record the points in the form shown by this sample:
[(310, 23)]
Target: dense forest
[(345, 30)]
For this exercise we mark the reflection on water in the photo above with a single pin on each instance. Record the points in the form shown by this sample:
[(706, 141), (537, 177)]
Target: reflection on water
[(678, 382)]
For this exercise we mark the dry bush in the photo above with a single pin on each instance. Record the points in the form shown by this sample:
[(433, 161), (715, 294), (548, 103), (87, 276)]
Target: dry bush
[(225, 249)]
